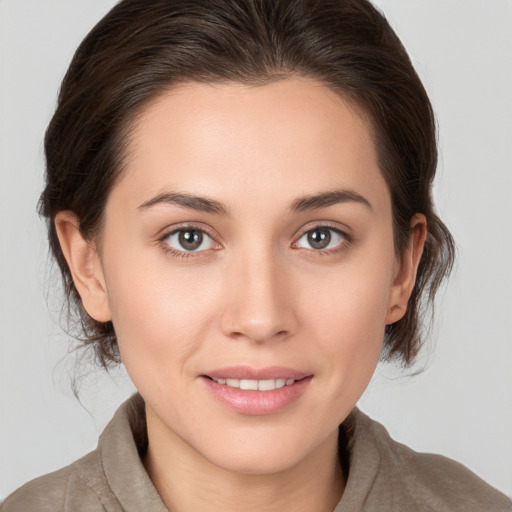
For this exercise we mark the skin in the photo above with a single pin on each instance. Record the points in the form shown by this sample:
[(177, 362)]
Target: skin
[(256, 293)]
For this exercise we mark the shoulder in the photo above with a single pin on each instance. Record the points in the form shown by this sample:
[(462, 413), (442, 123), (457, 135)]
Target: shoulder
[(102, 480), (79, 486), (432, 482), (440, 483)]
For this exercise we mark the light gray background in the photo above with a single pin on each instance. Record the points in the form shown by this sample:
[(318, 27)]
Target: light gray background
[(460, 406)]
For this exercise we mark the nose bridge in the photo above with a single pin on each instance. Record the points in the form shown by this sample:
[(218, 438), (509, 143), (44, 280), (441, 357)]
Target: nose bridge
[(259, 307)]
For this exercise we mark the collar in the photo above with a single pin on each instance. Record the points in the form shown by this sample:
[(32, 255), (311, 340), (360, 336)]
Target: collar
[(124, 442)]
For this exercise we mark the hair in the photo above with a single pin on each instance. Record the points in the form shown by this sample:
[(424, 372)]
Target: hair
[(141, 49)]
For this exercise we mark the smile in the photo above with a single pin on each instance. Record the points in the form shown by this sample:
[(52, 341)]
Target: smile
[(256, 391), (255, 385), (257, 397)]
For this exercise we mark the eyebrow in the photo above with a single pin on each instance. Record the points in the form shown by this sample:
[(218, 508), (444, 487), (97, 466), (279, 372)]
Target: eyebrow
[(192, 202), (325, 199), (302, 204)]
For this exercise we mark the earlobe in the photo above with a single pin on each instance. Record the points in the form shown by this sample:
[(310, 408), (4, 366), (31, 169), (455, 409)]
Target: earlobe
[(85, 266), (405, 277)]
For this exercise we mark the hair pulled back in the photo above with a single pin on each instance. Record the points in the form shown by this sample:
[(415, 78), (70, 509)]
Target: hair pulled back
[(140, 49)]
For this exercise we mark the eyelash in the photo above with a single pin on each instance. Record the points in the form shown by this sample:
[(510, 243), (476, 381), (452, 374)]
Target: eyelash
[(344, 244), (183, 254), (347, 240)]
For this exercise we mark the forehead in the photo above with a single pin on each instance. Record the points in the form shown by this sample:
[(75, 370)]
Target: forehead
[(294, 135)]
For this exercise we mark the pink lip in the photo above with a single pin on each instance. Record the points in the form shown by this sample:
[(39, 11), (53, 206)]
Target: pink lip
[(257, 403), (247, 372)]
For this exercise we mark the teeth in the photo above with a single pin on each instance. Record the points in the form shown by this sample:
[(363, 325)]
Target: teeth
[(280, 383), (254, 385), (249, 384), (266, 385)]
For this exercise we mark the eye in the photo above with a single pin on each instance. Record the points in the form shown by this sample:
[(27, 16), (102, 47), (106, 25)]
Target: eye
[(189, 240), (321, 238)]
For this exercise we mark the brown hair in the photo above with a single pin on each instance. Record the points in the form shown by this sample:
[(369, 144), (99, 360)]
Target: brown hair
[(140, 49)]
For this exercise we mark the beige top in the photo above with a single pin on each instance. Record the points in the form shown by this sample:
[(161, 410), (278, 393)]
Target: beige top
[(384, 475)]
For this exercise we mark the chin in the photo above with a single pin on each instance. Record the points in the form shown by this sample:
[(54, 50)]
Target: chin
[(264, 451), (257, 462)]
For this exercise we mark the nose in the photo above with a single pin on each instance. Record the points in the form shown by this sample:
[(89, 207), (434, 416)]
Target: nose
[(259, 305)]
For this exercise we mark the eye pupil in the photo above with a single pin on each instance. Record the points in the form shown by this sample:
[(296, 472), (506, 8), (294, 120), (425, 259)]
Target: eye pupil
[(190, 239), (319, 238)]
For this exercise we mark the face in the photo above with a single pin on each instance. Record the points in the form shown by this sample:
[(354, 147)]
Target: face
[(247, 263)]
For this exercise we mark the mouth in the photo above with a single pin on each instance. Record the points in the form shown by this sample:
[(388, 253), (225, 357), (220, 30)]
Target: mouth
[(257, 392), (255, 385)]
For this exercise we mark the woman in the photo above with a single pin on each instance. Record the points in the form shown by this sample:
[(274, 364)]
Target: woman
[(238, 196)]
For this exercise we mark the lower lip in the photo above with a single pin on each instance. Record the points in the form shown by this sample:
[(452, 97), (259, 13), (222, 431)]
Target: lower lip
[(257, 403)]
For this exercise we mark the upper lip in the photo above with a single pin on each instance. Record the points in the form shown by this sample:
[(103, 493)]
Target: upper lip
[(250, 373)]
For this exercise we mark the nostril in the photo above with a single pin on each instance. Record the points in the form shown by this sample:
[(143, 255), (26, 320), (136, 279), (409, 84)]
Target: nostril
[(258, 317)]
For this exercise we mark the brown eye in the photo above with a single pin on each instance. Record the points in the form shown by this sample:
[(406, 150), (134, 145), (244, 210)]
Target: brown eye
[(189, 240), (321, 238)]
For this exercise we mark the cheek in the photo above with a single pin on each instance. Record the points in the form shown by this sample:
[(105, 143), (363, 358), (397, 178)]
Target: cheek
[(160, 312), (351, 299), (347, 312), (352, 331)]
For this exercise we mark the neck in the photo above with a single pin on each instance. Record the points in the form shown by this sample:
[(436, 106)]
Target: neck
[(188, 482)]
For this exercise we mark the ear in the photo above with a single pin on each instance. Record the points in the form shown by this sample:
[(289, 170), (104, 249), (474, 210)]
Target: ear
[(406, 269), (85, 266)]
